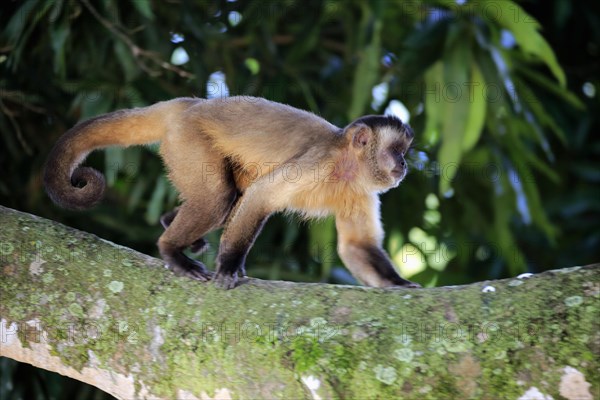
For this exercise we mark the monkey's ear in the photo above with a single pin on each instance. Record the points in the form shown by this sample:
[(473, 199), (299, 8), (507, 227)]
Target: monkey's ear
[(361, 135)]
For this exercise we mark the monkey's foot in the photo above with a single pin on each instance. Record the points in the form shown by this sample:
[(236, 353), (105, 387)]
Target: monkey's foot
[(181, 265), (225, 280)]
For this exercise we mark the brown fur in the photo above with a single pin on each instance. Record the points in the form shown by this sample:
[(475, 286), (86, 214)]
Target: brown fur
[(237, 160)]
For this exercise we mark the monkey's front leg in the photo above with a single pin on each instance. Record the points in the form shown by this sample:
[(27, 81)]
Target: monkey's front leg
[(359, 247), (244, 224)]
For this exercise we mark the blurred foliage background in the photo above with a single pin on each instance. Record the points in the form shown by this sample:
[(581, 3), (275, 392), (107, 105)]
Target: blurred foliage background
[(502, 95)]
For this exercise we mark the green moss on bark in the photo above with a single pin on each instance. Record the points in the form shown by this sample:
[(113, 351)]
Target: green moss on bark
[(96, 304)]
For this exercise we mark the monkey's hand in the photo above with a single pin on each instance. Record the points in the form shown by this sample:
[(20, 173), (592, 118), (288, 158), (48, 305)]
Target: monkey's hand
[(372, 266)]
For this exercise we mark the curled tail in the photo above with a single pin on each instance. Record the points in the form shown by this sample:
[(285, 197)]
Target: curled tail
[(74, 187)]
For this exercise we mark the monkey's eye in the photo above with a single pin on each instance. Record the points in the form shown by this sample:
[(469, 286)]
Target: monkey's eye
[(398, 151)]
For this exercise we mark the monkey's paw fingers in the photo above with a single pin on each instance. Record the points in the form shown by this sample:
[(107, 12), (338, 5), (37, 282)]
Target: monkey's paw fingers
[(225, 281), (199, 275), (193, 271)]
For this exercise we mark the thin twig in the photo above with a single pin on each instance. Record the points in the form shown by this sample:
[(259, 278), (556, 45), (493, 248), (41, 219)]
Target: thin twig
[(139, 54), (18, 131)]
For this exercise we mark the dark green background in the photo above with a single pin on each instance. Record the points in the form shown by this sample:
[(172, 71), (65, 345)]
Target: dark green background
[(519, 193)]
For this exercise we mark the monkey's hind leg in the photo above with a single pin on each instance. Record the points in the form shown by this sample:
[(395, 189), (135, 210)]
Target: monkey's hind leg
[(203, 179), (184, 227), (243, 226), (198, 247)]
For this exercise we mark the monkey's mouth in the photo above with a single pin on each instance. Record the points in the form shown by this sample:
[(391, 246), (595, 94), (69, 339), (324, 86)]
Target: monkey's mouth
[(397, 173)]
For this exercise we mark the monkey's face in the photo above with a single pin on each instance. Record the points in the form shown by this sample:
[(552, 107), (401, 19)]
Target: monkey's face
[(381, 144), (389, 150)]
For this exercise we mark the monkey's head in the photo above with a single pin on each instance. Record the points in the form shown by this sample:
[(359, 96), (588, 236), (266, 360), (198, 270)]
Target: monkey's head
[(380, 144)]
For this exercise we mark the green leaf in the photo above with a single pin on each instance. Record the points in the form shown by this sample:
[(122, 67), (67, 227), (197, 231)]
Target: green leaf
[(321, 237), (15, 26), (433, 80), (525, 28), (455, 106), (476, 119), (144, 8), (536, 106), (113, 163), (21, 26), (58, 36), (501, 236), (523, 183), (135, 195), (366, 74), (542, 167), (126, 60), (57, 8), (422, 48), (155, 207), (253, 65), (551, 87)]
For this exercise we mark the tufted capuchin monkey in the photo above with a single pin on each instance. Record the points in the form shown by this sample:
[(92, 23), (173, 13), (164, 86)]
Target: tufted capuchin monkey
[(237, 160)]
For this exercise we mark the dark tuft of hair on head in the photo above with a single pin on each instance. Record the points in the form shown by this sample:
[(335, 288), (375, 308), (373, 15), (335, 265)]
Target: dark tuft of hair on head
[(380, 121)]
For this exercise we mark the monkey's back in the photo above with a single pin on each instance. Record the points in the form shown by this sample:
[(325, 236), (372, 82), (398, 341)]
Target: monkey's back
[(255, 130)]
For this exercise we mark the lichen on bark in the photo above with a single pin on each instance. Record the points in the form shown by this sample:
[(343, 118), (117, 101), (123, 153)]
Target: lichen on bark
[(96, 311)]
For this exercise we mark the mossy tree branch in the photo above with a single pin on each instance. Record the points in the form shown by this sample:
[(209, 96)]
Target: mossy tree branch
[(107, 315)]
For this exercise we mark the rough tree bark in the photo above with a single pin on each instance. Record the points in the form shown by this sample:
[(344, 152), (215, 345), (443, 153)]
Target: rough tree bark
[(114, 318)]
